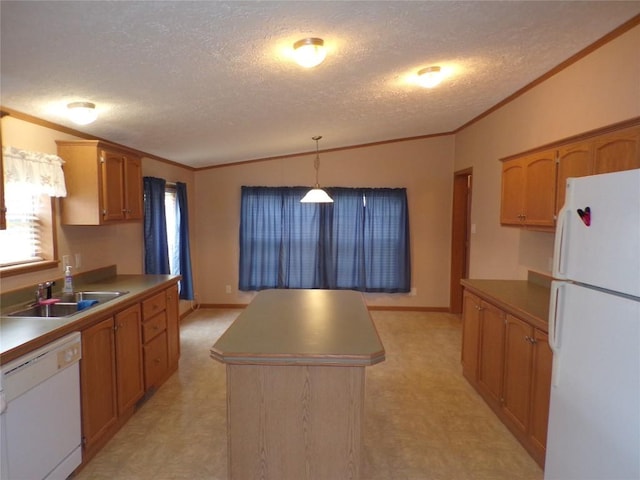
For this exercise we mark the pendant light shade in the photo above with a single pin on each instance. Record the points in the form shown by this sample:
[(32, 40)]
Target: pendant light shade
[(316, 194)]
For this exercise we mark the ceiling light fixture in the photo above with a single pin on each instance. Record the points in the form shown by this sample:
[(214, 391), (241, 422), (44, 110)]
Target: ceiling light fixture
[(316, 194), (429, 77), (82, 113), (309, 52)]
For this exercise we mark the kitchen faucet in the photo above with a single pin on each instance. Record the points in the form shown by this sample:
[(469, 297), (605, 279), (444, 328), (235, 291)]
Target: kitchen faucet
[(40, 291)]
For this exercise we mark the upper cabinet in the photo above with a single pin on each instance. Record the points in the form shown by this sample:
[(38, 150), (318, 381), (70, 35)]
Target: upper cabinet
[(3, 208), (611, 152), (617, 151), (104, 183), (528, 189), (533, 186)]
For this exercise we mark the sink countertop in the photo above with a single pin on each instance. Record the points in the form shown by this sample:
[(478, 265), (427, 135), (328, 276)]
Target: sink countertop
[(525, 299), (20, 335)]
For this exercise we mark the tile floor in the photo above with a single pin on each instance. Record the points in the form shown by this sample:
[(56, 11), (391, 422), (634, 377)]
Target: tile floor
[(423, 421)]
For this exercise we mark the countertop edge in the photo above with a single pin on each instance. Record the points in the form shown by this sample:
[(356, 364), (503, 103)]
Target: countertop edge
[(299, 360)]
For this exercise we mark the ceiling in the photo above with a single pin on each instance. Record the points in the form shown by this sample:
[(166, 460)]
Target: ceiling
[(205, 83)]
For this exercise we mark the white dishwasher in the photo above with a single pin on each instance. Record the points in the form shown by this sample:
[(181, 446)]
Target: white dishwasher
[(40, 421)]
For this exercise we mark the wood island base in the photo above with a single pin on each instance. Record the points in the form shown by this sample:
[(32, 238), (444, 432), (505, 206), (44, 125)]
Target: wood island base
[(294, 422), (295, 364)]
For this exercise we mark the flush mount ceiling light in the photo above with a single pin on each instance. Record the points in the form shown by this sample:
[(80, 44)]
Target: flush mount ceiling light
[(82, 113), (429, 77), (309, 52), (316, 194)]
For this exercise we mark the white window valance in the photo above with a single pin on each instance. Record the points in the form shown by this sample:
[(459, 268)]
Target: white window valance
[(41, 173)]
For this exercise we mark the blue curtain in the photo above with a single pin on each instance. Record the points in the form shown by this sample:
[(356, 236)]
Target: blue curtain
[(186, 283), (156, 251), (359, 242)]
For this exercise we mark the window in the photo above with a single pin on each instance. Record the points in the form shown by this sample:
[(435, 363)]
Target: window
[(30, 179), (21, 240), (360, 242), (166, 232), (173, 242)]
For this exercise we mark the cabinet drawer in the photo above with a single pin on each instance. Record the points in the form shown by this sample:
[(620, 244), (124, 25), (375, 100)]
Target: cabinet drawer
[(155, 361), (153, 305), (154, 326)]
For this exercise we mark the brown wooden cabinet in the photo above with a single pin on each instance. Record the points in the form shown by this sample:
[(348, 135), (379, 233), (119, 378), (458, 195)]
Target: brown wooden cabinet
[(470, 335), (491, 357), (612, 152), (161, 336), (111, 374), (173, 326), (104, 183), (540, 392), (3, 208), (128, 343), (98, 382), (517, 371), (513, 361), (617, 151), (528, 190)]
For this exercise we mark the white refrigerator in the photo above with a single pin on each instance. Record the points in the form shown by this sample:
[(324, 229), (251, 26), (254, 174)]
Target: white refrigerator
[(594, 332)]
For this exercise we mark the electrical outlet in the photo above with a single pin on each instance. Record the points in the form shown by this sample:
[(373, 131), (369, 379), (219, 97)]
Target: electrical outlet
[(228, 289), (414, 291)]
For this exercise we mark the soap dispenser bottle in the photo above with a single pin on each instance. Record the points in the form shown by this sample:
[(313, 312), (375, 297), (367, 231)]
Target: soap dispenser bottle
[(68, 280)]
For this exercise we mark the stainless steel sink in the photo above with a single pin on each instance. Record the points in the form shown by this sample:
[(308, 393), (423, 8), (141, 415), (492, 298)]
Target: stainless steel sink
[(70, 305), (55, 310), (100, 296)]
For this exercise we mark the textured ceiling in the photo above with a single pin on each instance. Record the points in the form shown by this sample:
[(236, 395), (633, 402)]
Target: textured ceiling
[(204, 83)]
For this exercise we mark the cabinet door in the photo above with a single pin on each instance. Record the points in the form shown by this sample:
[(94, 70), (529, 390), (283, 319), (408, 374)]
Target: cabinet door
[(573, 161), (470, 335), (98, 381), (133, 188), (3, 208), (112, 185), (173, 325), (617, 151), (128, 340), (540, 189), (512, 193), (490, 368), (540, 391), (155, 361), (517, 371)]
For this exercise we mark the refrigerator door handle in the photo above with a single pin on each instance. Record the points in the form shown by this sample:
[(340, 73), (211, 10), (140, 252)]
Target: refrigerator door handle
[(558, 245), (555, 305)]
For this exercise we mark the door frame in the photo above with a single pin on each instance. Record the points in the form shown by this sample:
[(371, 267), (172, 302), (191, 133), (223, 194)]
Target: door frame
[(460, 232)]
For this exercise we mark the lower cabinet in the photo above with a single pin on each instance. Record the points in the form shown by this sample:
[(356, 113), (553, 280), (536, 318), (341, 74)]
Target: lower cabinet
[(125, 356), (111, 374), (513, 372)]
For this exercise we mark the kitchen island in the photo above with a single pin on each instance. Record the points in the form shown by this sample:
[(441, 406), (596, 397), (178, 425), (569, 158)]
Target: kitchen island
[(295, 362)]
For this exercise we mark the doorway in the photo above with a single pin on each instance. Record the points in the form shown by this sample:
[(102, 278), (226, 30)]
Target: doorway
[(460, 230)]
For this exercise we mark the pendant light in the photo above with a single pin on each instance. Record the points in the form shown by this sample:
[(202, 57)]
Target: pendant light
[(316, 194)]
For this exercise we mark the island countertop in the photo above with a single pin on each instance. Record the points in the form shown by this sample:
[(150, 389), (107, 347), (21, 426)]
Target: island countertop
[(302, 327)]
